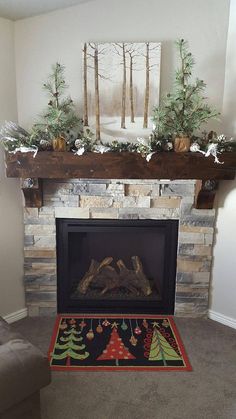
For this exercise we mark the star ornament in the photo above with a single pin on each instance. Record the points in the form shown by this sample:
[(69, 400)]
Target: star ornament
[(115, 325), (155, 324)]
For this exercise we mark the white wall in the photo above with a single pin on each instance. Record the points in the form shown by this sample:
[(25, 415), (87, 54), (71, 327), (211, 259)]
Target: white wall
[(57, 36), (11, 225), (223, 292)]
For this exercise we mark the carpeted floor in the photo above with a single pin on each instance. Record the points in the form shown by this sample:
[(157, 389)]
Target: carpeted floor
[(208, 392)]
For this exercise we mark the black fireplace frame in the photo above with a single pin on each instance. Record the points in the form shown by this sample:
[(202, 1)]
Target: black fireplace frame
[(66, 305)]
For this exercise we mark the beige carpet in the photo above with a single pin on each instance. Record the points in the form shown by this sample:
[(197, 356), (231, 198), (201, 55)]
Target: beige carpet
[(209, 392)]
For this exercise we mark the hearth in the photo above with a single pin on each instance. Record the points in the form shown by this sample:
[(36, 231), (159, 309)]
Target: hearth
[(126, 266)]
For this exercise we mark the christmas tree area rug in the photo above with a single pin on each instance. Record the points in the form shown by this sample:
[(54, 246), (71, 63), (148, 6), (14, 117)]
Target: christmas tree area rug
[(116, 342)]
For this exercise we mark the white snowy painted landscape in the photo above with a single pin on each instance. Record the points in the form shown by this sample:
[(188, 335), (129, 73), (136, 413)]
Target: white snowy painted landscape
[(121, 84)]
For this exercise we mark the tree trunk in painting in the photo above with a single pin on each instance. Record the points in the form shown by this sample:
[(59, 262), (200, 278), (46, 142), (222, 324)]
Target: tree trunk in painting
[(85, 87), (146, 99), (97, 106), (131, 90), (123, 102)]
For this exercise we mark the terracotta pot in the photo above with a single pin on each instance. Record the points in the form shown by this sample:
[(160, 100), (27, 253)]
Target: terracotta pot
[(182, 144), (59, 144)]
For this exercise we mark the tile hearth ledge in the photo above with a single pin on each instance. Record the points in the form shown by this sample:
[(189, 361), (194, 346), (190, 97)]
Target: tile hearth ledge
[(61, 185)]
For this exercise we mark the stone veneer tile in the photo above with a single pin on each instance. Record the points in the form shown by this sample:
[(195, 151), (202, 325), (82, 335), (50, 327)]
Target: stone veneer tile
[(40, 253), (45, 241), (95, 201), (165, 202), (42, 230), (115, 189), (191, 238), (195, 229), (184, 265), (185, 189), (42, 219), (150, 213), (38, 296), (39, 279), (63, 212), (142, 190), (31, 212), (47, 211), (110, 213), (194, 249), (208, 238)]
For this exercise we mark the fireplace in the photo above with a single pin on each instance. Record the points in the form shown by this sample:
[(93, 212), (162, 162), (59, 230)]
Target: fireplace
[(126, 266), (142, 205)]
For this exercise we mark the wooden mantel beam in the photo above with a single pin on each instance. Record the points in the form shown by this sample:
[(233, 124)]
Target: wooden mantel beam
[(164, 165)]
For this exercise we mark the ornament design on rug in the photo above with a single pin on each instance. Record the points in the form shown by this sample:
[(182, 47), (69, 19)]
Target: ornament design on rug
[(63, 325), (124, 326), (90, 334), (145, 324), (106, 323), (115, 349), (82, 324), (132, 339), (165, 323), (115, 325), (99, 328), (137, 329)]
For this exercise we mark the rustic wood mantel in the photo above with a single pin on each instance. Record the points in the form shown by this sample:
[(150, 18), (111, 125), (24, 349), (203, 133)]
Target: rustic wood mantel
[(164, 165)]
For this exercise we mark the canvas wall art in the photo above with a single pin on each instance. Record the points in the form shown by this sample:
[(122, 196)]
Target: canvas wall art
[(121, 83)]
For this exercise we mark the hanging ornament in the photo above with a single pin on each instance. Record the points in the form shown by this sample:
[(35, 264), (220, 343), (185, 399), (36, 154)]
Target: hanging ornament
[(63, 325), (145, 323), (124, 326), (106, 323), (165, 323), (72, 321), (137, 329), (82, 324), (90, 334), (99, 328), (132, 339)]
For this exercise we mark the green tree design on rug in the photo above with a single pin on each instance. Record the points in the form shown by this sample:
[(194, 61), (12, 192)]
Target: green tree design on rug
[(69, 346), (161, 350)]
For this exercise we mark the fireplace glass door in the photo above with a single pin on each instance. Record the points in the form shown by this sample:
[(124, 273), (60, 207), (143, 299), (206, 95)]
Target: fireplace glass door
[(125, 266)]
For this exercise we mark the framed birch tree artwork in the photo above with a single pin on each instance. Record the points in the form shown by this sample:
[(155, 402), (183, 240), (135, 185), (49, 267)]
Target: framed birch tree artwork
[(121, 83)]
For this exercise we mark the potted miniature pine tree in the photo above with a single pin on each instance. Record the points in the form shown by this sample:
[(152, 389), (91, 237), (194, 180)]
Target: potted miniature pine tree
[(59, 117), (185, 109)]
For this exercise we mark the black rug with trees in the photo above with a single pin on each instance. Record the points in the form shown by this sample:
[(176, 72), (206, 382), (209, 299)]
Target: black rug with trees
[(120, 342)]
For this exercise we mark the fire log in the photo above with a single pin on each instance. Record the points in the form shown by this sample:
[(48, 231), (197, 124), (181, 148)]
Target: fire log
[(94, 269)]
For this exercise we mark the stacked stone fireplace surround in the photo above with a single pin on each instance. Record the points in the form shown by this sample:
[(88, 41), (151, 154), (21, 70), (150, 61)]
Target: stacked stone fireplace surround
[(119, 199)]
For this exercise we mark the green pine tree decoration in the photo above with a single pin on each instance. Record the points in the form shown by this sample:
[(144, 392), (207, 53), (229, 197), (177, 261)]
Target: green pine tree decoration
[(70, 347), (59, 120), (183, 111), (161, 350)]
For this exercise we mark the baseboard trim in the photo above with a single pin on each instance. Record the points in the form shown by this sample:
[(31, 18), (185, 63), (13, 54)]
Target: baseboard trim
[(221, 318), (17, 315)]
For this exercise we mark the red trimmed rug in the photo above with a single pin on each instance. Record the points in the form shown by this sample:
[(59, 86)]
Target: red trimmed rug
[(117, 342)]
